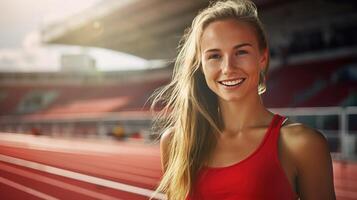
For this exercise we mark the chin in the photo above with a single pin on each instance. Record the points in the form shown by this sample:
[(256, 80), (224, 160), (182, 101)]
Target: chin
[(230, 98)]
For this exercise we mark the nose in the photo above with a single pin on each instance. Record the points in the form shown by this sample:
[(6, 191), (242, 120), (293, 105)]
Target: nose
[(228, 65)]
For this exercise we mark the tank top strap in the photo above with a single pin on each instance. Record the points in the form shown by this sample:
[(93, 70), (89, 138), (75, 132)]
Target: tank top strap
[(279, 120), (271, 146)]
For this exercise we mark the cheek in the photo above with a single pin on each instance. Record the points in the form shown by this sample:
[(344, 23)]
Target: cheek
[(210, 73), (210, 77), (250, 66)]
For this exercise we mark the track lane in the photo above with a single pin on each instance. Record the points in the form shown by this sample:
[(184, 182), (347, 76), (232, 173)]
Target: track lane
[(129, 163)]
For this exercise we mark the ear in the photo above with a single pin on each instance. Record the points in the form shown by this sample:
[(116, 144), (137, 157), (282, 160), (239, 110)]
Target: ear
[(263, 60)]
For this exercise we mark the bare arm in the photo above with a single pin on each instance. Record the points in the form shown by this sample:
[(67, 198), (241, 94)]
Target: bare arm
[(314, 165)]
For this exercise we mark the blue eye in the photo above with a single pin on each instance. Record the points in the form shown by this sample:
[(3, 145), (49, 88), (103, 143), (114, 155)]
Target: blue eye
[(241, 52), (214, 56)]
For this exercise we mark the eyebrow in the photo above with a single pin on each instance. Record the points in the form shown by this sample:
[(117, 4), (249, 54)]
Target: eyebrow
[(235, 47)]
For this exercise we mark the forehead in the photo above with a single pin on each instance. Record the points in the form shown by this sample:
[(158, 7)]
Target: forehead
[(227, 33)]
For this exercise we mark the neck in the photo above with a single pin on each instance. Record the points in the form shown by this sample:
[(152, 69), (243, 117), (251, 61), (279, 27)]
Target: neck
[(246, 113)]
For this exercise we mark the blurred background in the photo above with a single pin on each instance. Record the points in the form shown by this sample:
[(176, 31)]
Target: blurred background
[(75, 77)]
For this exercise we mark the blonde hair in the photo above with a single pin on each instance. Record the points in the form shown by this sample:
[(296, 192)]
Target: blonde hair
[(190, 107)]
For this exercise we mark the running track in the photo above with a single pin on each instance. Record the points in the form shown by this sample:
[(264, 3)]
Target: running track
[(33, 167)]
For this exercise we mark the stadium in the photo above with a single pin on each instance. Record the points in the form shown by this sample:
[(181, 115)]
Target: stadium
[(312, 79)]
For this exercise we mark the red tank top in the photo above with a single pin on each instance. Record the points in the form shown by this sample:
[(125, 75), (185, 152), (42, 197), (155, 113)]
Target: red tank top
[(258, 176)]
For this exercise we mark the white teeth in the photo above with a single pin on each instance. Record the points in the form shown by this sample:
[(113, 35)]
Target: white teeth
[(232, 83)]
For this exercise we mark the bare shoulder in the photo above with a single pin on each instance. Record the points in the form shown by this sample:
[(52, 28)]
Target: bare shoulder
[(303, 143), (165, 138), (301, 138), (309, 150), (164, 146)]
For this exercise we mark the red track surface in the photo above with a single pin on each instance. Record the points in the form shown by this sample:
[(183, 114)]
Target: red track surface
[(129, 163)]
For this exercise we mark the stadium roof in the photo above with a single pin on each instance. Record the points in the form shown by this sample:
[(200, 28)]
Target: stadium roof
[(150, 29)]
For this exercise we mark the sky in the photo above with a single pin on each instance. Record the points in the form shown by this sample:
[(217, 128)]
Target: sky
[(20, 39)]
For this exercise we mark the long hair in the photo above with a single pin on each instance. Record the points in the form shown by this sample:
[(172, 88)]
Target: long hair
[(190, 108)]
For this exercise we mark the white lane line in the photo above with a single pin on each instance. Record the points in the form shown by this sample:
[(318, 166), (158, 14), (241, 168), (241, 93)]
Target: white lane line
[(26, 189), (56, 183), (81, 177)]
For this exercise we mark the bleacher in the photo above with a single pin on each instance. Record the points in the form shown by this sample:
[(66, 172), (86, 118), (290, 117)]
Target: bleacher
[(79, 98), (310, 84), (79, 104)]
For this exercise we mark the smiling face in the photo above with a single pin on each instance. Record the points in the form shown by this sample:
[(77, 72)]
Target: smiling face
[(231, 59)]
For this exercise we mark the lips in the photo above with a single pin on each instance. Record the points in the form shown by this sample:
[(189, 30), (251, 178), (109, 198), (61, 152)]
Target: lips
[(232, 82)]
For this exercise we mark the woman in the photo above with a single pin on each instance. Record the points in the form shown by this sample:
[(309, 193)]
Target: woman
[(220, 141)]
